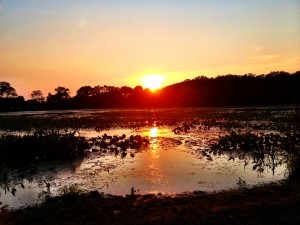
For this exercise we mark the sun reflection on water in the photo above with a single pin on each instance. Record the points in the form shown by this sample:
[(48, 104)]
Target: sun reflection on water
[(153, 132), (154, 169), (153, 139)]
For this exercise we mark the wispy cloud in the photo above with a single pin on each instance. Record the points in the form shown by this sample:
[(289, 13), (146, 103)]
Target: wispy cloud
[(262, 57)]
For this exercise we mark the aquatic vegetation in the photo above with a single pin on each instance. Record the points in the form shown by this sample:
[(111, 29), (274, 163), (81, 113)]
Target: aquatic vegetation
[(282, 119), (291, 144), (266, 149), (119, 144), (235, 140), (42, 145)]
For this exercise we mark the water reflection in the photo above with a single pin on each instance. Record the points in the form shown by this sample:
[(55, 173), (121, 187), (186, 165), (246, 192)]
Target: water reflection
[(153, 132), (155, 171), (153, 139), (169, 164)]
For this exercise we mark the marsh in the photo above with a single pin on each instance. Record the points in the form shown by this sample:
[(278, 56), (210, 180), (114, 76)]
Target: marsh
[(162, 162)]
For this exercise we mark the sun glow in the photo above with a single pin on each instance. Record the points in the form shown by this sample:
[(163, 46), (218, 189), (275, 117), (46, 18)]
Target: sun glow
[(153, 81)]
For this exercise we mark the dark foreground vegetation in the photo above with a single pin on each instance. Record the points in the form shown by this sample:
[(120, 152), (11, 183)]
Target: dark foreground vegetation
[(270, 204), (41, 146), (275, 88), (266, 150)]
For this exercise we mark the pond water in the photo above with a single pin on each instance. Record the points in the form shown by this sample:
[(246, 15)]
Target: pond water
[(171, 164)]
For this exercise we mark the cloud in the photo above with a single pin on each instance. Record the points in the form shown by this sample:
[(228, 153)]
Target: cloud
[(262, 57)]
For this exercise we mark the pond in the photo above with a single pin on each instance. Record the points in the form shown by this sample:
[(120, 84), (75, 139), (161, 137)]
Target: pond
[(172, 163)]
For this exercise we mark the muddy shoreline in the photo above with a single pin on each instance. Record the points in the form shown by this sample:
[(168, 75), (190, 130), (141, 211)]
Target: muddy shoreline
[(268, 204)]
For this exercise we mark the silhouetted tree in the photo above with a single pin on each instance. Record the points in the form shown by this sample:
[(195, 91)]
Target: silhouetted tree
[(97, 90), (12, 104), (62, 92), (126, 91), (275, 88), (138, 89), (136, 99), (38, 96), (85, 91), (6, 90), (60, 98)]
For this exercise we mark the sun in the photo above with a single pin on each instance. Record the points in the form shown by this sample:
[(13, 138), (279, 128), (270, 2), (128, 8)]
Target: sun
[(153, 81)]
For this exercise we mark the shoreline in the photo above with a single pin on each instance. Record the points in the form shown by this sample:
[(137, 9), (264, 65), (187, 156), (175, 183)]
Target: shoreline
[(268, 204)]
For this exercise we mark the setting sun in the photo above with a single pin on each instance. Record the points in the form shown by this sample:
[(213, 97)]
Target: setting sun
[(153, 81)]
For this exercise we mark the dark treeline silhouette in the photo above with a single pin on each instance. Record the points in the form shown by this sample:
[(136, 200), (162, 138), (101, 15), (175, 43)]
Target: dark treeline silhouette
[(275, 88)]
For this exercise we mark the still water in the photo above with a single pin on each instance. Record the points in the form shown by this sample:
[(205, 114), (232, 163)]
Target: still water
[(171, 164)]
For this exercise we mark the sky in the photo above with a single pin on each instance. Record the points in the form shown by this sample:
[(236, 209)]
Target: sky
[(72, 43)]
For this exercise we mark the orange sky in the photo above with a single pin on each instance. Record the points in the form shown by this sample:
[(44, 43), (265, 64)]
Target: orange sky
[(51, 43)]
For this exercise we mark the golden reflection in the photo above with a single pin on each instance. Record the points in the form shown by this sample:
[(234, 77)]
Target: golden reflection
[(154, 157), (153, 135), (154, 165), (153, 132)]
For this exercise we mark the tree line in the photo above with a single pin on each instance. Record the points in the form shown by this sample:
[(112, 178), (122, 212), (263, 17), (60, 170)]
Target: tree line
[(275, 88)]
